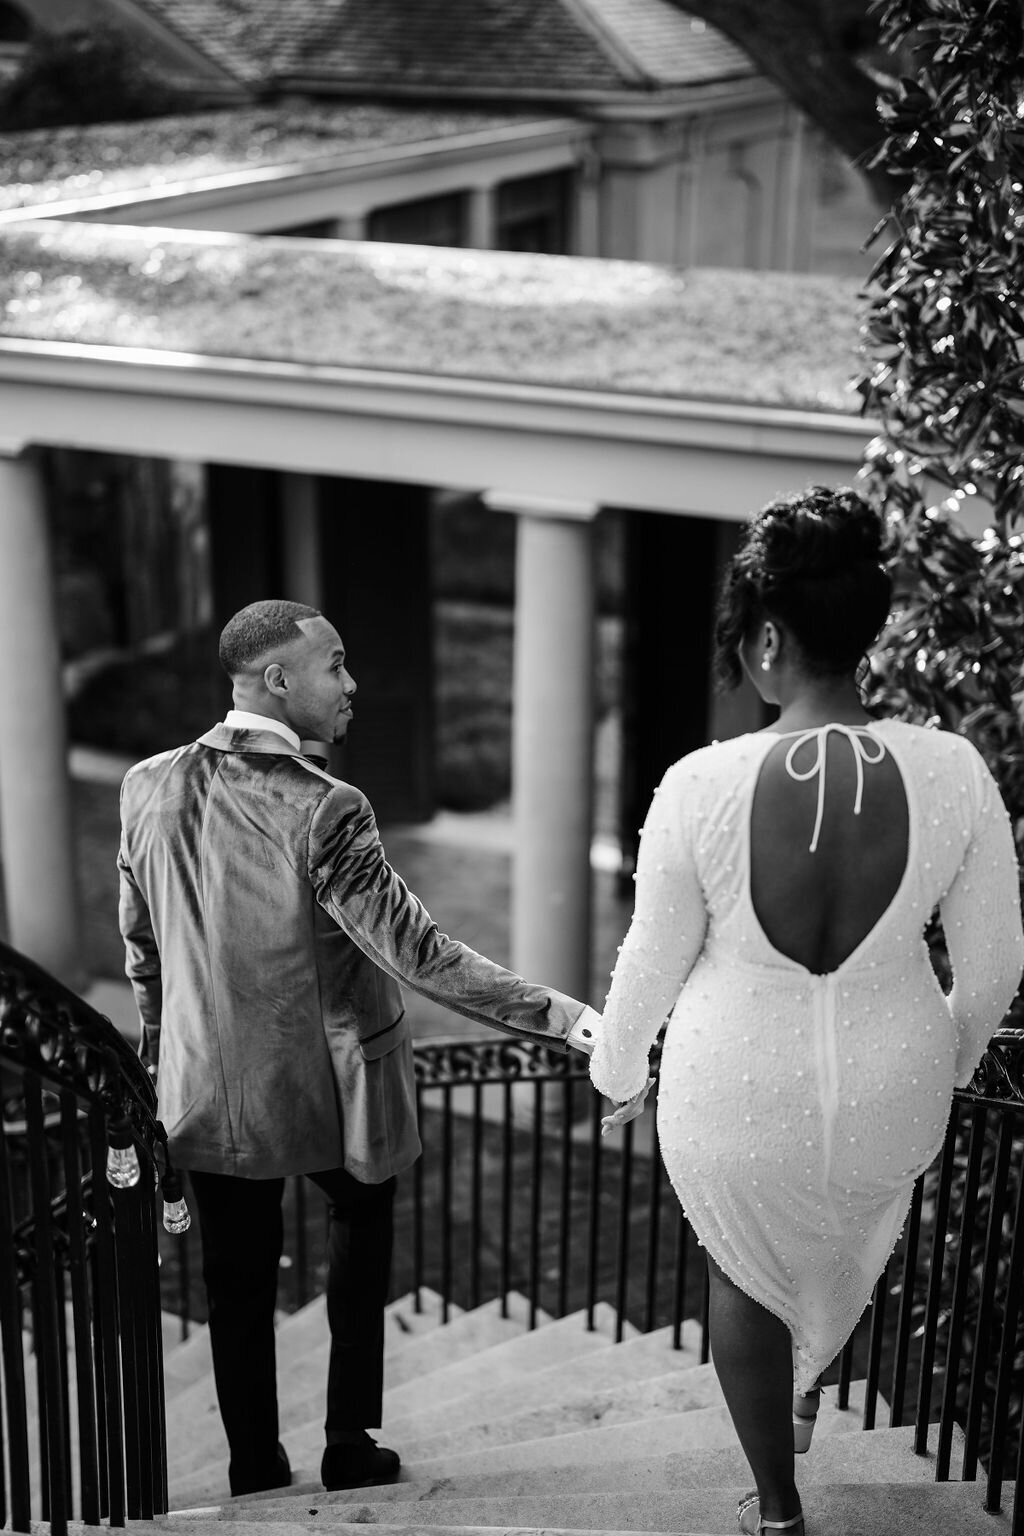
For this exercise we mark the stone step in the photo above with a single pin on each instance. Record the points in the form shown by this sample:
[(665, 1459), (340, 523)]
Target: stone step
[(465, 1337), (556, 1345), (195, 1436), (301, 1383), (187, 1363), (642, 1357), (571, 1412), (414, 1314), (302, 1379), (582, 1366), (698, 1429), (170, 1332), (206, 1522), (429, 1367), (562, 1412), (857, 1509), (303, 1341), (300, 1331), (483, 1381), (875, 1456), (639, 1358), (170, 1328)]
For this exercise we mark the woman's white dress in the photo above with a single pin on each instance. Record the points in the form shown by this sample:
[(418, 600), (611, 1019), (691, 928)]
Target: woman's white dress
[(796, 1110)]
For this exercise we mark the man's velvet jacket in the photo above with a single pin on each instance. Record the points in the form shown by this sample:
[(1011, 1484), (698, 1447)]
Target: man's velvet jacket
[(266, 935)]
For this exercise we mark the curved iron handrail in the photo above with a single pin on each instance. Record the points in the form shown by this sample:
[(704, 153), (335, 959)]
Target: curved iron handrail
[(451, 1060), (999, 1077), (48, 1029), (78, 1260)]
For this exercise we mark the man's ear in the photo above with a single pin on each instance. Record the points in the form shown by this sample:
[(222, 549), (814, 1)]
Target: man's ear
[(275, 679)]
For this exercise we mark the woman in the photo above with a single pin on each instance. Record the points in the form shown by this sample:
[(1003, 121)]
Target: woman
[(784, 882)]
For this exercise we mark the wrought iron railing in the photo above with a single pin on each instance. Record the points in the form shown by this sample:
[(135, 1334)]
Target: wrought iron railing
[(518, 1192), (82, 1370), (953, 1353)]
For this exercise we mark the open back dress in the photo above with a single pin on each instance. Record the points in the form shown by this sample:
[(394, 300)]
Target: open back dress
[(796, 1108)]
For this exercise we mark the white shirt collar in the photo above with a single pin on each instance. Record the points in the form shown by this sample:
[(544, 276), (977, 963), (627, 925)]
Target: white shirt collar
[(245, 720)]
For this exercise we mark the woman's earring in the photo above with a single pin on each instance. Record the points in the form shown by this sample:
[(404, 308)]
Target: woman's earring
[(766, 664)]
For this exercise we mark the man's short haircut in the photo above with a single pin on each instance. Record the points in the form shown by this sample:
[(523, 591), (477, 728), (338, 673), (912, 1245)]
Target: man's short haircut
[(259, 628)]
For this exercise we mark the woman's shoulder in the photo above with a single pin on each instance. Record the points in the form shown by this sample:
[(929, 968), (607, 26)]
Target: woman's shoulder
[(709, 764), (945, 758), (929, 741)]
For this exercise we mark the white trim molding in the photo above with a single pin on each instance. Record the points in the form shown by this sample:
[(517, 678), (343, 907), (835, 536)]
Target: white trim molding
[(696, 457)]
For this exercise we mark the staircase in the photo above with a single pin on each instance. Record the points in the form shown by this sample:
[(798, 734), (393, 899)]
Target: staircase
[(556, 1429)]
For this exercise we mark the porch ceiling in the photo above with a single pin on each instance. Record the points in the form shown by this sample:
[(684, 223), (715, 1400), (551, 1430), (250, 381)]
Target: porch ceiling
[(626, 383)]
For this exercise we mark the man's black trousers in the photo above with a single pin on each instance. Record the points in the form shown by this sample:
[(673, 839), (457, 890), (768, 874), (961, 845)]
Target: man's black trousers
[(242, 1235)]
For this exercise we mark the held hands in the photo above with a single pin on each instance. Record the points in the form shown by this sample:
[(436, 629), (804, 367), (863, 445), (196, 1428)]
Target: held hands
[(628, 1111), (583, 1036)]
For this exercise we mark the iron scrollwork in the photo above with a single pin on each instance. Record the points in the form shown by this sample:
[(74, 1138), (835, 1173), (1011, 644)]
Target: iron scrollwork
[(46, 1029), (454, 1062), (999, 1077), (459, 1063)]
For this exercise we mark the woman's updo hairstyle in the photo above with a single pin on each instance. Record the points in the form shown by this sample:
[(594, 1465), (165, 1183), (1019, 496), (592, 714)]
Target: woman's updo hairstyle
[(811, 562)]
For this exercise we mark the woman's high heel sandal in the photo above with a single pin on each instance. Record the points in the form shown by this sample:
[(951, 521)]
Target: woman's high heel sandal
[(751, 1505), (805, 1411)]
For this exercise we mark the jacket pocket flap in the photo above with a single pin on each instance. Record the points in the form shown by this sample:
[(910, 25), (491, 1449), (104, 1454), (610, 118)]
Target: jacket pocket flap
[(383, 1041)]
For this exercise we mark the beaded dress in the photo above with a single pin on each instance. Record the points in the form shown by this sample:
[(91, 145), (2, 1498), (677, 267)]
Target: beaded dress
[(795, 1109)]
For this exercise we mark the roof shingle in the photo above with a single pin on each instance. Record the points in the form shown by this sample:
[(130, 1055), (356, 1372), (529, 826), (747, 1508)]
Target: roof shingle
[(667, 45), (589, 46), (777, 338)]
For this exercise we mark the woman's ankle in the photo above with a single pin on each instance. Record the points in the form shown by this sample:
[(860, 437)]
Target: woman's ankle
[(783, 1504)]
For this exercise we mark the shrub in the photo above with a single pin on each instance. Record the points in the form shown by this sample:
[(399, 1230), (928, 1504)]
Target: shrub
[(943, 342), (84, 75)]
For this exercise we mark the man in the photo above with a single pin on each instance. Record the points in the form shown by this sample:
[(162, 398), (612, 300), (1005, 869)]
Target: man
[(266, 935)]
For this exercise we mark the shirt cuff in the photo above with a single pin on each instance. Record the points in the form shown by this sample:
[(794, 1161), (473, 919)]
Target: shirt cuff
[(584, 1033)]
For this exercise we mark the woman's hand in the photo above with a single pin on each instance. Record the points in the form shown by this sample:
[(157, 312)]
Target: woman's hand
[(627, 1111)]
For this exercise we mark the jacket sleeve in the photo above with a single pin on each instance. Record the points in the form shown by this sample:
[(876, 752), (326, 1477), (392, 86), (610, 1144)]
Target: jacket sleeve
[(664, 939), (142, 958), (356, 886), (982, 923)]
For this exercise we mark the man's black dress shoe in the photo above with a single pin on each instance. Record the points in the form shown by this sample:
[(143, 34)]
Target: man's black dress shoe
[(358, 1463), (275, 1473)]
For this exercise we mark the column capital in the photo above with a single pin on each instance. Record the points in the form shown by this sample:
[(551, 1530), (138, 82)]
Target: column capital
[(541, 506), (13, 447)]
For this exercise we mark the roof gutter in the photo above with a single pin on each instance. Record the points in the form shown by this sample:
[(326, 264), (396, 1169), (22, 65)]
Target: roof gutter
[(672, 97), (622, 449), (352, 166)]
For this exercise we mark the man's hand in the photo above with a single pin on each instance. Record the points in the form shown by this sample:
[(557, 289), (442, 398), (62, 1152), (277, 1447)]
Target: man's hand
[(627, 1111)]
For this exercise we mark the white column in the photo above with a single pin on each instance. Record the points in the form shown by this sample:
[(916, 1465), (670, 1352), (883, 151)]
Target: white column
[(792, 207), (688, 200), (588, 204), (480, 231), (303, 579), (349, 226), (35, 788), (553, 729)]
